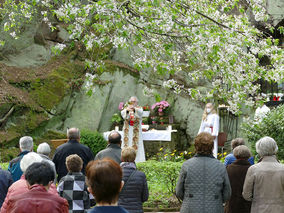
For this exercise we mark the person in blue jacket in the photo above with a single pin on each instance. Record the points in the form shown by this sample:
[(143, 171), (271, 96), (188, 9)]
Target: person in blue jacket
[(26, 146), (230, 158)]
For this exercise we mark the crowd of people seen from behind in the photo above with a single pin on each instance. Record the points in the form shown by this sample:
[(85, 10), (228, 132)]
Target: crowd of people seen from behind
[(76, 181)]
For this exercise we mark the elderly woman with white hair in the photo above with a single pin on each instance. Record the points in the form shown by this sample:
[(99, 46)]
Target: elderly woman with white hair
[(20, 186), (264, 183), (44, 150)]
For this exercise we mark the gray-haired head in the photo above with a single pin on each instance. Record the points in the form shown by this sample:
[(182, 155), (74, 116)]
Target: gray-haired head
[(237, 142), (73, 134), (242, 152), (26, 143), (133, 97), (266, 146), (28, 160), (43, 148)]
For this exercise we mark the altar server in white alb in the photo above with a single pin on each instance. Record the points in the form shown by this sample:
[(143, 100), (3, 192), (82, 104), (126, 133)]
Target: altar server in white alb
[(210, 124), (132, 128)]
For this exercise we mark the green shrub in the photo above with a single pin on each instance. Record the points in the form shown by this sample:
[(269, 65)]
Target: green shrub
[(162, 178), (165, 172), (94, 140), (272, 125)]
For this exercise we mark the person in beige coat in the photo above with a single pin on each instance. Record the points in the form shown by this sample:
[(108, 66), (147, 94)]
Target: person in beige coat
[(264, 182)]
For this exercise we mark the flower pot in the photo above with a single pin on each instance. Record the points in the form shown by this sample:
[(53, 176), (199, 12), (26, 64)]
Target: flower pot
[(161, 113), (146, 114)]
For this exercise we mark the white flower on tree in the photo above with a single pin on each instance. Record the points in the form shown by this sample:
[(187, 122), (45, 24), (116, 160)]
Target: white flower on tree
[(200, 38)]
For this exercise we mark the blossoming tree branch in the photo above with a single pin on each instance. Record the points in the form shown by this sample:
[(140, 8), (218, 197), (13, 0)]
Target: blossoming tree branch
[(200, 39)]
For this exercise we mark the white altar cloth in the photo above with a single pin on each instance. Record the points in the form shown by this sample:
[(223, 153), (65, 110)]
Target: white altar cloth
[(151, 135)]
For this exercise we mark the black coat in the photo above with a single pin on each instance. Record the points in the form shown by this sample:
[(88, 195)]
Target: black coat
[(135, 191), (5, 182), (237, 173), (69, 148)]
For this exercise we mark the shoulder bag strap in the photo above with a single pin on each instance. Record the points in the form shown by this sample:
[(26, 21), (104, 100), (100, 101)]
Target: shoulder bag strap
[(125, 184)]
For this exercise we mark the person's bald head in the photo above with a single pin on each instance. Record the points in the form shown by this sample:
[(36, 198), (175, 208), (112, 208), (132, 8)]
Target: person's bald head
[(73, 134), (114, 137)]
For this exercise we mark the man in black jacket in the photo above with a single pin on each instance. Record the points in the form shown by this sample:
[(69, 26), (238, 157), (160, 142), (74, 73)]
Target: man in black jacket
[(71, 147)]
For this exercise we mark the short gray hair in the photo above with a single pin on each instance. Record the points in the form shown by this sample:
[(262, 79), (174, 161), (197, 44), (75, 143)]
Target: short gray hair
[(26, 143), (135, 98), (266, 146), (73, 134), (237, 142), (242, 152), (29, 159), (43, 148)]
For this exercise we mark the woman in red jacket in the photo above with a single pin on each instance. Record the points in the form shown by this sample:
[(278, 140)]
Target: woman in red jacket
[(39, 177)]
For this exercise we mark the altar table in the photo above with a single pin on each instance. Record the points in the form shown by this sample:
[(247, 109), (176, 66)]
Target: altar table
[(151, 135)]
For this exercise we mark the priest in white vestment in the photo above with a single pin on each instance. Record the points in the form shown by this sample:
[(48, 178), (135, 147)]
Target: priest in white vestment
[(132, 128), (210, 124)]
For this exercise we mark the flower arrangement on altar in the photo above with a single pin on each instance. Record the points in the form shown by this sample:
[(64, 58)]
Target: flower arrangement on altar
[(146, 108), (161, 107)]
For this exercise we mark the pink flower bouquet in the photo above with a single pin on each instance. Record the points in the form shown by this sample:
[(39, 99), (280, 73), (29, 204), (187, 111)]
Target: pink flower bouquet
[(161, 107), (120, 106)]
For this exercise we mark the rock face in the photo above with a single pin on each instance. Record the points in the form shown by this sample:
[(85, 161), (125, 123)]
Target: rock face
[(33, 94), (45, 98), (275, 8)]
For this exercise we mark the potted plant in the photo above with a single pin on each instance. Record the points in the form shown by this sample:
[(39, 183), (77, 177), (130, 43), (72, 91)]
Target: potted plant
[(161, 108), (116, 119), (146, 111)]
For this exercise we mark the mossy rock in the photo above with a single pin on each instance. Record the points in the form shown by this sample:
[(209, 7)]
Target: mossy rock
[(8, 136), (48, 93), (29, 120), (7, 154), (4, 108), (51, 135), (47, 137), (23, 121)]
